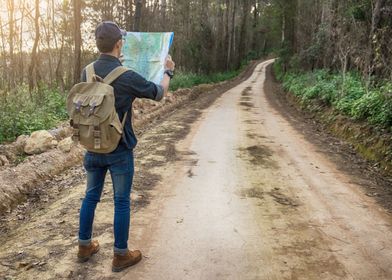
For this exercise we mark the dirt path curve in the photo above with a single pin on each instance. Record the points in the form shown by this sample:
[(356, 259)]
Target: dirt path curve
[(245, 197)]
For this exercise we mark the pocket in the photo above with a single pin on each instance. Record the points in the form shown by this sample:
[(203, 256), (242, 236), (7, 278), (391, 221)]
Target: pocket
[(121, 163), (89, 161)]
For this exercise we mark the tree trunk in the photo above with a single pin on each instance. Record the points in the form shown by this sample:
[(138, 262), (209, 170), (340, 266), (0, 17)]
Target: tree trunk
[(3, 54), (21, 60), (128, 5), (59, 72), (11, 23), (373, 40), (33, 65), (244, 39), (229, 34), (163, 12), (138, 15), (77, 7), (233, 37)]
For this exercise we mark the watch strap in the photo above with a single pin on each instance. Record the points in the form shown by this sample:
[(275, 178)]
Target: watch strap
[(170, 73)]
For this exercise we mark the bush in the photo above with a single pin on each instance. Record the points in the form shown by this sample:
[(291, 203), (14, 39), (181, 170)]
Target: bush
[(187, 80), (349, 96), (21, 113)]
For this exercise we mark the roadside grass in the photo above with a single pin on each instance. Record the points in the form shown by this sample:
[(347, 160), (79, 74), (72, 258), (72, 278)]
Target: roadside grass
[(348, 94), (187, 80), (22, 113)]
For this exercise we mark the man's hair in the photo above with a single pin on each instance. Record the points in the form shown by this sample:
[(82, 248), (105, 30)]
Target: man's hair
[(105, 45), (107, 35)]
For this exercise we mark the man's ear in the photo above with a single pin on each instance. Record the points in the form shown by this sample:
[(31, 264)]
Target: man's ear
[(120, 43)]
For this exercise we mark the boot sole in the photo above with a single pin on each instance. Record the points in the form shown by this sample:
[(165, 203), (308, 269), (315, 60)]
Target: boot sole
[(121, 268)]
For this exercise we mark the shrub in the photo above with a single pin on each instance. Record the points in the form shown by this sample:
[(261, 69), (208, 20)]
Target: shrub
[(21, 113), (187, 80), (349, 96)]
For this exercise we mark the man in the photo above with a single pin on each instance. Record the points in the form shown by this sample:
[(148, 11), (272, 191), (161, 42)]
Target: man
[(128, 87)]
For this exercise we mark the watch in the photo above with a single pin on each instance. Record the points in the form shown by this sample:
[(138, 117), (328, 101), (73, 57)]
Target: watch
[(169, 72)]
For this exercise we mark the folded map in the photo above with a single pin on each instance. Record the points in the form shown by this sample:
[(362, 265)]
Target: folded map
[(145, 53)]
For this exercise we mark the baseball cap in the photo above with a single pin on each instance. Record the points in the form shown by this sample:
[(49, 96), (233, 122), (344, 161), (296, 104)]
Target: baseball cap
[(108, 33)]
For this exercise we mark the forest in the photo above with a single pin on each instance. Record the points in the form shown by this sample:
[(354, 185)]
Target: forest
[(338, 53), (265, 152), (45, 44), (346, 45)]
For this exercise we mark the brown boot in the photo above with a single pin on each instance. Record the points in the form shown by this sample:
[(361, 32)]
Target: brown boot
[(121, 262), (86, 251)]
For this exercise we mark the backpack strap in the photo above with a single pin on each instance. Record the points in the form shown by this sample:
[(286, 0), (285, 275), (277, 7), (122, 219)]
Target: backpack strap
[(123, 125), (90, 72), (112, 76), (124, 119)]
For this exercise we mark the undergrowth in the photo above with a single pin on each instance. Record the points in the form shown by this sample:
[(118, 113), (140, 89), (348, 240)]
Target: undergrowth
[(348, 94), (22, 113), (187, 80)]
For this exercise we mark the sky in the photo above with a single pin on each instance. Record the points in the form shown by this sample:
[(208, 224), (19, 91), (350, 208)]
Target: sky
[(28, 34)]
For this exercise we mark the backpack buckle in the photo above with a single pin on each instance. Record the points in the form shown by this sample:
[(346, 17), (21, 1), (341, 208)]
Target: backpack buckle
[(78, 105), (92, 108), (97, 143), (76, 134)]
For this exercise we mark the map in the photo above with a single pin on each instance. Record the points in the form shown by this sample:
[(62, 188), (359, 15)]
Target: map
[(145, 53)]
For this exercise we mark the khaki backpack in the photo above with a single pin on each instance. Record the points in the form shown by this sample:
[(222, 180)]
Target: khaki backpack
[(94, 119)]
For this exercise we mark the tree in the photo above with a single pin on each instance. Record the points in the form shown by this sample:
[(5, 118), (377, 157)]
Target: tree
[(33, 75), (77, 5), (138, 15)]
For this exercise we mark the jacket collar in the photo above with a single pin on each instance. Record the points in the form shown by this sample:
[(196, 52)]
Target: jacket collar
[(108, 57)]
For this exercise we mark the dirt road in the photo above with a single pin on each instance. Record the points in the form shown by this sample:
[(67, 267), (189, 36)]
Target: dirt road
[(233, 191)]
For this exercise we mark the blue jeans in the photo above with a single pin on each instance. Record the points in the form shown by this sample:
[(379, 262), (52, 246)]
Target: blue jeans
[(121, 166)]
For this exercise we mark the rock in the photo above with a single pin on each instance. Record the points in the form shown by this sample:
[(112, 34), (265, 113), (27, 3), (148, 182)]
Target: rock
[(61, 132), (39, 142), (65, 145), (3, 160), (20, 143)]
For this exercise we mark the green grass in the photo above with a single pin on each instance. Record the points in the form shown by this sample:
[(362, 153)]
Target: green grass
[(348, 95), (21, 113), (187, 80)]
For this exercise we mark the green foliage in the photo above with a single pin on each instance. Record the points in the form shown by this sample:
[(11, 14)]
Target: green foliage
[(278, 69), (375, 106), (352, 89), (348, 95), (361, 11), (187, 80), (21, 113)]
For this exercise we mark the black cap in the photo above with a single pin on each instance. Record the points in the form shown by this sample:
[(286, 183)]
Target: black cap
[(108, 33)]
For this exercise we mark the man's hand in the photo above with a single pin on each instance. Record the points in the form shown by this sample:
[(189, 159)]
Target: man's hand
[(169, 63)]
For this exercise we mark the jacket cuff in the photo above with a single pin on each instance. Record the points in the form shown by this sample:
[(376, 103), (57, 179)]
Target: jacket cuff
[(160, 91)]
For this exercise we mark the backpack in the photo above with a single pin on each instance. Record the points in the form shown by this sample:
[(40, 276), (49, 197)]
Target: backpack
[(90, 105)]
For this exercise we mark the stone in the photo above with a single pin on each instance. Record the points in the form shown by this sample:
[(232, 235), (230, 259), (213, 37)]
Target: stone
[(65, 145), (61, 132), (20, 143), (3, 160), (39, 142)]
